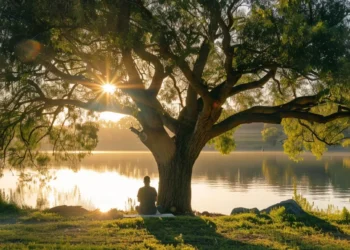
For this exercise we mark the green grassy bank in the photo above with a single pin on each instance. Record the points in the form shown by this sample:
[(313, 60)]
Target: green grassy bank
[(31, 229)]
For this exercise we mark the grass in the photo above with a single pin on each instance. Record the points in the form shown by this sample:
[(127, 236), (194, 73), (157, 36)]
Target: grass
[(30, 229), (24, 228)]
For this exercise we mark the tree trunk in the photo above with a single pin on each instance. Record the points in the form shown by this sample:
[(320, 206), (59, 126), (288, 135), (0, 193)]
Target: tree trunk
[(175, 157), (174, 190)]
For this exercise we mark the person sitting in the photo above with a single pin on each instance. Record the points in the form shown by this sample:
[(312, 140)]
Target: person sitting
[(147, 197)]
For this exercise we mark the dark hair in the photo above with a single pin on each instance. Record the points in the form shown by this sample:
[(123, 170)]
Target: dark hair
[(146, 179)]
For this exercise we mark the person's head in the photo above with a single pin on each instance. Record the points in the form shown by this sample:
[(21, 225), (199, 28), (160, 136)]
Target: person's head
[(146, 180)]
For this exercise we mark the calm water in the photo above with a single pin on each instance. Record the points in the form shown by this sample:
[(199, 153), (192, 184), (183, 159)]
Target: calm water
[(219, 183)]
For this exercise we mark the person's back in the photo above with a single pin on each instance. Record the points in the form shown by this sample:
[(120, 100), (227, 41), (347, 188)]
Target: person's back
[(147, 197)]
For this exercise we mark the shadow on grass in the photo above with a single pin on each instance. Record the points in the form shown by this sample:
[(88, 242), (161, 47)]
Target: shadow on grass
[(323, 225), (193, 231)]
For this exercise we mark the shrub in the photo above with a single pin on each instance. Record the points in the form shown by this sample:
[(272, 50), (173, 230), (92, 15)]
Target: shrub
[(280, 215), (6, 205), (345, 215), (303, 202)]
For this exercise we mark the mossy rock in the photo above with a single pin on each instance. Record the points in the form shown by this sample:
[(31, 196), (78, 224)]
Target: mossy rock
[(290, 205), (69, 210), (241, 210)]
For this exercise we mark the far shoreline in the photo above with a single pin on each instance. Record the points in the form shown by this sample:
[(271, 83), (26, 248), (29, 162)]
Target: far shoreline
[(203, 152)]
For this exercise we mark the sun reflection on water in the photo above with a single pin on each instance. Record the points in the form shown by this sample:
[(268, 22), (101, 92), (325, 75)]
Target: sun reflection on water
[(111, 180), (91, 189), (105, 190)]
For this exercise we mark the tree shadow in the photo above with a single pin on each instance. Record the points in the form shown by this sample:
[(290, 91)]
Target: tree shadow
[(322, 225), (193, 231)]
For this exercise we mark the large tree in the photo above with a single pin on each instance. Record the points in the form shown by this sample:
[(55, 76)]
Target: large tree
[(189, 71)]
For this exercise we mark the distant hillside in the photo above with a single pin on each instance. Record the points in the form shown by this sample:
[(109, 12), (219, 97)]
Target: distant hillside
[(248, 138), (119, 140)]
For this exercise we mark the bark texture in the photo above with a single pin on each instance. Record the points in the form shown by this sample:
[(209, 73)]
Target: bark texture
[(175, 173), (174, 191)]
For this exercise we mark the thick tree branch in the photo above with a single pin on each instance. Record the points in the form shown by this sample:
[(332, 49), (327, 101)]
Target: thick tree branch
[(159, 73), (165, 51), (171, 123), (130, 66), (36, 87), (202, 58), (179, 93), (93, 106), (274, 118), (231, 77), (71, 78), (195, 81), (216, 92), (230, 14), (122, 31), (297, 108), (253, 85), (191, 98)]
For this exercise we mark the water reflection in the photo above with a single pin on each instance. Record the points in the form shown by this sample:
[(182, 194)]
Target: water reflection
[(252, 179)]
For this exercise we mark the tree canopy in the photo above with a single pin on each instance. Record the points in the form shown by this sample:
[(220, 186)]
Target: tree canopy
[(198, 68)]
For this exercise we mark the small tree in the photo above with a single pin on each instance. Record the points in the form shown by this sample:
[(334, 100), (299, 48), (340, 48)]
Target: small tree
[(272, 134), (189, 71)]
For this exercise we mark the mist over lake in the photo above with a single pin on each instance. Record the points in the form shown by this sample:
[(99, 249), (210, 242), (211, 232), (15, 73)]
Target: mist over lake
[(219, 183)]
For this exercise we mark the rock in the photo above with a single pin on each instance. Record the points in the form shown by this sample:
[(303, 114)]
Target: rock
[(205, 213), (69, 210), (254, 210), (241, 210), (290, 205)]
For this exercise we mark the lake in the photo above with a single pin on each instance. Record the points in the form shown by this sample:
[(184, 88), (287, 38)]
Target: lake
[(107, 180)]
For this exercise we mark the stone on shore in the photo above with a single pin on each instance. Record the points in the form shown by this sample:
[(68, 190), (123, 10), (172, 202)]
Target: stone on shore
[(69, 210), (241, 210), (290, 205)]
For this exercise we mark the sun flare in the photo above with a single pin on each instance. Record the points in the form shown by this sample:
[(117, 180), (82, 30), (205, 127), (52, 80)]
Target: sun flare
[(104, 208), (109, 88)]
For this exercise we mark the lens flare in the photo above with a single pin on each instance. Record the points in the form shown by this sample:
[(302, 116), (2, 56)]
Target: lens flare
[(104, 208), (28, 50), (109, 88)]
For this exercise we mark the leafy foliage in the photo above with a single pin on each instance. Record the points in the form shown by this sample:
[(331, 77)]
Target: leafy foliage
[(199, 68), (272, 134), (224, 143), (345, 215)]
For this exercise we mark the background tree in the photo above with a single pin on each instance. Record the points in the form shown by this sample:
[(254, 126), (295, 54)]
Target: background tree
[(189, 71), (272, 134)]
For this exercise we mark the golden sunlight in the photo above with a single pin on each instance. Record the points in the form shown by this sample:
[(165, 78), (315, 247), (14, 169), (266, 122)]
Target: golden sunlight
[(110, 116), (104, 208), (109, 88)]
